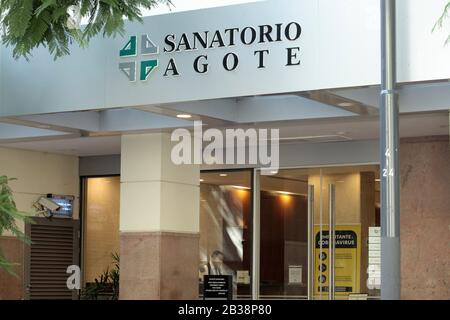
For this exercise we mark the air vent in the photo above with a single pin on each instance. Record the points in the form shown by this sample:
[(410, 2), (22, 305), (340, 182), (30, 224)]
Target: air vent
[(53, 249)]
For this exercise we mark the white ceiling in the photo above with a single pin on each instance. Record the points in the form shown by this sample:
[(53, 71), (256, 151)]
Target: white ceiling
[(354, 128), (304, 117)]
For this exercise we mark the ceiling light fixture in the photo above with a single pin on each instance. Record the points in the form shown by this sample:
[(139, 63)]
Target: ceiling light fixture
[(44, 126), (184, 116), (345, 104), (240, 187)]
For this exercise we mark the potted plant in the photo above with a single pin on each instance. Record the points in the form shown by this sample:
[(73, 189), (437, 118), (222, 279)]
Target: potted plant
[(106, 286)]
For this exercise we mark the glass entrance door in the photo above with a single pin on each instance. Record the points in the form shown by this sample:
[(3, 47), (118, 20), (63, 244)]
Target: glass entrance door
[(315, 225), (284, 235), (345, 212)]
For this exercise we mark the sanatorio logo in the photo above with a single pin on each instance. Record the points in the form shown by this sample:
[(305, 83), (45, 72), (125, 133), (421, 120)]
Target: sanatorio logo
[(141, 64)]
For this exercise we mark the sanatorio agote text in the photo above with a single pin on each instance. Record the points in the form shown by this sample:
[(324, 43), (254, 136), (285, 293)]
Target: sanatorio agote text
[(229, 38)]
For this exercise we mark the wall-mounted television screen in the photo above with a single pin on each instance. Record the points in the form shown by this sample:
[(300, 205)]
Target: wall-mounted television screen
[(65, 203)]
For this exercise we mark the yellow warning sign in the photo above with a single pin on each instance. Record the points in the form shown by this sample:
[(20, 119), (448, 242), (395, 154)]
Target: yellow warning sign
[(347, 260)]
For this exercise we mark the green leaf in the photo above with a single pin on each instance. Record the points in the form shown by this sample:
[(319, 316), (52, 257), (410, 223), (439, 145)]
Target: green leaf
[(43, 6), (440, 23), (19, 17), (9, 214), (28, 24)]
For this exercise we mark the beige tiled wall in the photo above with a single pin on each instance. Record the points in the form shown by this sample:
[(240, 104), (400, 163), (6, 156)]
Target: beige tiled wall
[(101, 220)]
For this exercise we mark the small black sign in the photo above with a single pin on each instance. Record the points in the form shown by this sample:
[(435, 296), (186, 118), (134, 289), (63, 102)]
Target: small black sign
[(218, 287)]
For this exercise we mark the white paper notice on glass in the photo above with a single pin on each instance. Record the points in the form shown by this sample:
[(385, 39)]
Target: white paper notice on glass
[(243, 276), (295, 274), (374, 231)]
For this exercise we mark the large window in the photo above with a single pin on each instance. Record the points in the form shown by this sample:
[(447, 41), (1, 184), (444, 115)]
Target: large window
[(295, 208)]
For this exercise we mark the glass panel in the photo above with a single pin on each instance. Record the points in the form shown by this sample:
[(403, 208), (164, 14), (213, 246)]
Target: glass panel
[(356, 213), (225, 227), (321, 254), (284, 234)]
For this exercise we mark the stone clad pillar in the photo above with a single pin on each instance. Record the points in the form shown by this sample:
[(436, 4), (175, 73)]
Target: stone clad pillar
[(159, 221)]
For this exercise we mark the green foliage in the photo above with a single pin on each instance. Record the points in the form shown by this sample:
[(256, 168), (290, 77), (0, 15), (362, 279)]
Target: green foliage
[(440, 23), (8, 216), (27, 24), (105, 287)]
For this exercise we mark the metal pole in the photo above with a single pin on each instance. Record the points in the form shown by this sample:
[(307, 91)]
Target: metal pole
[(320, 226), (311, 242), (256, 236), (389, 148)]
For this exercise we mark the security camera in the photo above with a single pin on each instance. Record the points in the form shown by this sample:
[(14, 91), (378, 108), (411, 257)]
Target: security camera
[(48, 204)]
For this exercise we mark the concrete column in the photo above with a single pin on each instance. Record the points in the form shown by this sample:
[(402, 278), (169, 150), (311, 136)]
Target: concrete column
[(159, 221)]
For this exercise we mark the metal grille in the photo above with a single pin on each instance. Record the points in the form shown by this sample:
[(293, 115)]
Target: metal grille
[(51, 252)]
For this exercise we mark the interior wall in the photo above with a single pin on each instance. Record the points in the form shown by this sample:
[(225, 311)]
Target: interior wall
[(348, 193), (101, 225), (37, 174), (425, 218)]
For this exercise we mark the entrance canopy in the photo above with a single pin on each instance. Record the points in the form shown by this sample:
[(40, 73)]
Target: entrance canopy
[(272, 63)]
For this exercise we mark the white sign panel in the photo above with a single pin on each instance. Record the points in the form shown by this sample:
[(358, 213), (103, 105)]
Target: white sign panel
[(259, 48), (374, 267), (374, 231), (267, 47), (295, 274), (243, 276)]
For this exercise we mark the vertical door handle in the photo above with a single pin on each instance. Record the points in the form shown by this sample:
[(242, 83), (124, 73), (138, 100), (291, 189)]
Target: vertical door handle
[(331, 240)]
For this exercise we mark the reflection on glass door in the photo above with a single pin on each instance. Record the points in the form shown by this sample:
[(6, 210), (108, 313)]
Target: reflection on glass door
[(345, 213), (225, 228), (284, 234)]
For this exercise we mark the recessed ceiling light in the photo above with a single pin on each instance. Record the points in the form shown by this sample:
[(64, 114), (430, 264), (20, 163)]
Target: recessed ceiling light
[(44, 126), (377, 180), (184, 116), (201, 180), (223, 175), (241, 187), (345, 104)]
